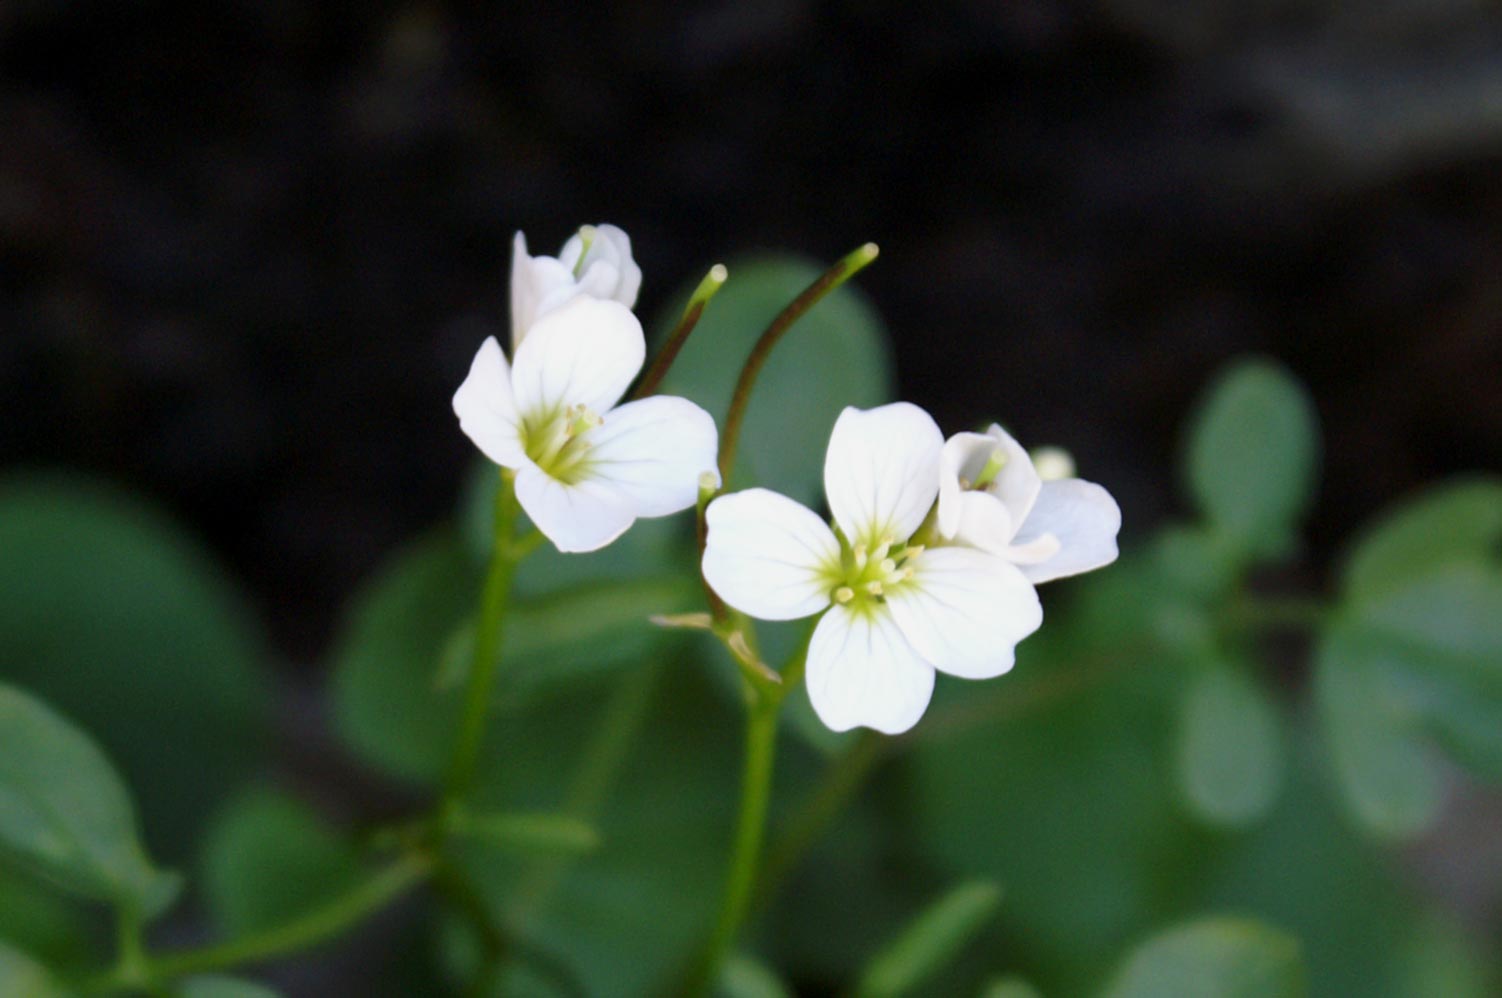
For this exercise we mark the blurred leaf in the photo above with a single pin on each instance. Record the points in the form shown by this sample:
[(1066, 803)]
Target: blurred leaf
[(53, 927), (1304, 870), (1423, 595), (1381, 767), (269, 858), (23, 977), (533, 834), (665, 827), (837, 355), (1438, 961), (1252, 453), (112, 614), (64, 811), (1230, 747), (388, 705), (400, 663), (1010, 987), (222, 987), (1457, 522), (1062, 797), (554, 640), (930, 940), (744, 977), (1213, 958)]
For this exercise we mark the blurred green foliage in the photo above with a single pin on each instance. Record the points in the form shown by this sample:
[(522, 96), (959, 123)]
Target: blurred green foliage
[(1169, 803)]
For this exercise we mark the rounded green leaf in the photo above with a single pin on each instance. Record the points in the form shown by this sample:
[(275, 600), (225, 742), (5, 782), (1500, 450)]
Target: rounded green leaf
[(65, 813), (111, 613), (222, 987), (23, 977), (1230, 747), (930, 940), (837, 355), (1252, 453), (1213, 958), (389, 705), (1457, 522), (1010, 987), (1381, 766), (744, 977), (269, 858)]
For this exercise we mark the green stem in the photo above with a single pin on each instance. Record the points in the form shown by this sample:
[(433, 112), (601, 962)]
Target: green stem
[(315, 927), (832, 278), (504, 556), (706, 290), (756, 793)]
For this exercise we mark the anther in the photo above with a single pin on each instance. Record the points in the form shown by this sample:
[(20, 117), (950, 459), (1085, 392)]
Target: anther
[(860, 556), (874, 587), (844, 594)]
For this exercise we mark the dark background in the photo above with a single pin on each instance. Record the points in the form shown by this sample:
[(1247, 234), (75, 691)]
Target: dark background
[(248, 248)]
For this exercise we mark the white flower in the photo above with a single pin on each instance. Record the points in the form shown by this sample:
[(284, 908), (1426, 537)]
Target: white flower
[(992, 496), (585, 469), (896, 611), (595, 263)]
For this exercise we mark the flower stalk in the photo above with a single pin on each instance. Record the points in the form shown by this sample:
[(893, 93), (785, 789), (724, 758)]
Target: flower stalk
[(852, 264), (707, 289), (506, 552)]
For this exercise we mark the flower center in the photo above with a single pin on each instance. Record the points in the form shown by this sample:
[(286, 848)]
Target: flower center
[(558, 443), (867, 574)]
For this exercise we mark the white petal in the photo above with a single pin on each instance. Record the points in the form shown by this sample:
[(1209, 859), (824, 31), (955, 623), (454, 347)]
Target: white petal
[(485, 407), (963, 457), (584, 353), (965, 610), (653, 451), (538, 285), (608, 271), (585, 516), (1083, 518), (983, 522), (862, 672), (769, 556), (881, 472), (1017, 483)]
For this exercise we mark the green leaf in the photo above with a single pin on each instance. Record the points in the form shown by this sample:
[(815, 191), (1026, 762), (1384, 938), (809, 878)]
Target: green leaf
[(744, 977), (1423, 594), (65, 812), (1230, 747), (1457, 522), (1381, 766), (222, 987), (23, 977), (529, 834), (1252, 453), (930, 940), (400, 663), (1010, 987), (57, 929), (836, 356), (111, 613), (388, 703), (268, 858), (1213, 958)]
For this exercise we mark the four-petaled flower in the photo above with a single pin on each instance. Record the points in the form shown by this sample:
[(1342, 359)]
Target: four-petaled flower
[(896, 608), (585, 468), (994, 497), (595, 263)]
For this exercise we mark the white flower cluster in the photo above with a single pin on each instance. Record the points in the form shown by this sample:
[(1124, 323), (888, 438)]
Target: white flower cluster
[(935, 546), (930, 563), (586, 468)]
